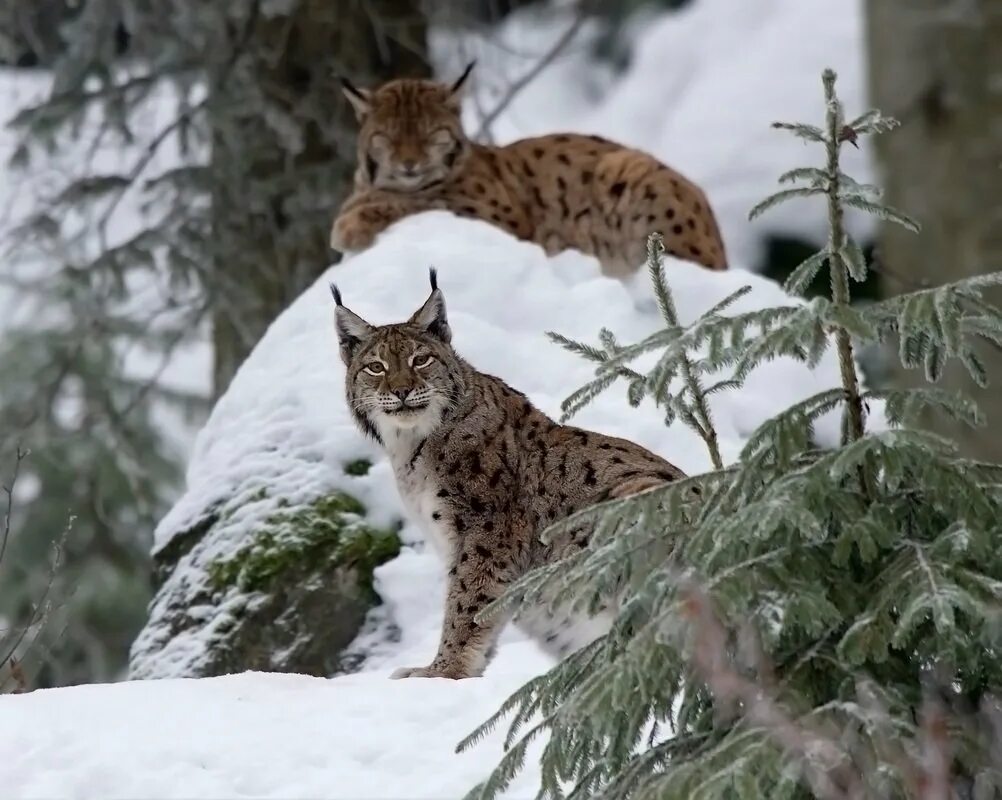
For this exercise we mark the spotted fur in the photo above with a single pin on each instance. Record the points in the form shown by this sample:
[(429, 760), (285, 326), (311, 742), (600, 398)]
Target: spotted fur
[(483, 472), (560, 191)]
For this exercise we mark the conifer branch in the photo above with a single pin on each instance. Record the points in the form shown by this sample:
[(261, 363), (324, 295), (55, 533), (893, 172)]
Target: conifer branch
[(782, 584), (700, 409), (839, 273)]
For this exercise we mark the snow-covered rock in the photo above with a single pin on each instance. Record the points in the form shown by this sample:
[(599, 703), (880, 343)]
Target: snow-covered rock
[(281, 440)]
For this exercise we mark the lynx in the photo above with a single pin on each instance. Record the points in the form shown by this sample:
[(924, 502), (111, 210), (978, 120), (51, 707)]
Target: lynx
[(560, 191), (482, 472)]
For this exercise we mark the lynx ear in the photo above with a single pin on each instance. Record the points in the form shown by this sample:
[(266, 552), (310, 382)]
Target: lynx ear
[(431, 316), (458, 84), (359, 98), (351, 329)]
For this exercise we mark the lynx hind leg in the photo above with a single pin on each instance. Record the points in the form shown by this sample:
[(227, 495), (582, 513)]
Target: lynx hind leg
[(638, 196), (556, 627)]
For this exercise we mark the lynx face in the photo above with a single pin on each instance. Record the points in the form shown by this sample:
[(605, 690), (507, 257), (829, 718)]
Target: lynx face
[(411, 136), (402, 376)]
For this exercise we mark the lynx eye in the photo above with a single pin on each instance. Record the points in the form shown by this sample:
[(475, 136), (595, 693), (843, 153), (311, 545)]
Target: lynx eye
[(422, 361), (374, 368)]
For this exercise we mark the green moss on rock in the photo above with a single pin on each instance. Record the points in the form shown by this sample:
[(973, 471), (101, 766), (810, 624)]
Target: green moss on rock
[(327, 534), (358, 467)]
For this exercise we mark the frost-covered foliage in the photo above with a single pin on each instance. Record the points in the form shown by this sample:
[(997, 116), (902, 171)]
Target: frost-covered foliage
[(813, 621)]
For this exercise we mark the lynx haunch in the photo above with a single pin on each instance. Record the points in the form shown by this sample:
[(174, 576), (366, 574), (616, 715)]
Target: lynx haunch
[(483, 473), (560, 191)]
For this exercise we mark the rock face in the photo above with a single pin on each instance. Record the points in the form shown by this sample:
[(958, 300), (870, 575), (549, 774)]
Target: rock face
[(290, 599)]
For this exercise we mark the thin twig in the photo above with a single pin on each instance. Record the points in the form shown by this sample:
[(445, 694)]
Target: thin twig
[(839, 272), (822, 758), (700, 412), (8, 490), (41, 609), (17, 673), (518, 85)]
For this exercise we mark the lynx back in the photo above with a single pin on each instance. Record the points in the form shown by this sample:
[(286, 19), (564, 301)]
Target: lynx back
[(560, 191)]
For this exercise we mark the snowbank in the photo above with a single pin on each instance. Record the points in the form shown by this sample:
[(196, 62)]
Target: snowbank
[(253, 735), (284, 425), (700, 94)]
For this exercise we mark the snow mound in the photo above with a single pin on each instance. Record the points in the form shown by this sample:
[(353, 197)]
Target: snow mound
[(284, 425)]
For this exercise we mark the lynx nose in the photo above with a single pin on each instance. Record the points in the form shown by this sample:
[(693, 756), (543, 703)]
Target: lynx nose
[(402, 394), (409, 165)]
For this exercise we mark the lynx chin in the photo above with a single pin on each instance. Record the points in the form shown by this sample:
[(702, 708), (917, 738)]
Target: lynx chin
[(561, 191), (482, 472)]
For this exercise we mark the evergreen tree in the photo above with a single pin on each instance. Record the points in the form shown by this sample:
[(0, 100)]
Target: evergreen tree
[(804, 622)]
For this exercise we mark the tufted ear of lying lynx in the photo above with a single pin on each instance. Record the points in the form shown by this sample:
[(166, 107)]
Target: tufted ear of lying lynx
[(483, 473), (410, 134), (560, 191)]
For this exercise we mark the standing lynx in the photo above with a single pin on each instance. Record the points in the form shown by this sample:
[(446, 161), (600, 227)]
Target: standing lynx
[(560, 191), (483, 473)]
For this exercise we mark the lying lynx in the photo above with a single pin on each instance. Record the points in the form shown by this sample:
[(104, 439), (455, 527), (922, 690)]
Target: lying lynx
[(560, 191), (483, 473)]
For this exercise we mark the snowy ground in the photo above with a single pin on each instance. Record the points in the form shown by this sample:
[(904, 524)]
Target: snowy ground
[(360, 737), (700, 94), (284, 424)]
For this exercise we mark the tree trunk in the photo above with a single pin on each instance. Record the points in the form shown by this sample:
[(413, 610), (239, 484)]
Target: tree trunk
[(284, 150), (936, 65)]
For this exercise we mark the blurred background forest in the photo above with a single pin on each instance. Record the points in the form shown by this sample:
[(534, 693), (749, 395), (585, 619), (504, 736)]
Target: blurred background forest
[(170, 174)]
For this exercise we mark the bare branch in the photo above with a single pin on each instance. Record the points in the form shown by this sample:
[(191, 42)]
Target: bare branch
[(40, 611), (518, 85), (8, 490), (824, 761)]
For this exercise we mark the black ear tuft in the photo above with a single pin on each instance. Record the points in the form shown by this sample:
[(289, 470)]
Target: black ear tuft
[(457, 84), (350, 87), (337, 295), (431, 316)]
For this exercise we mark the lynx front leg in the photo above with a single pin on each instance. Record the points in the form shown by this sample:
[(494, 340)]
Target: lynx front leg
[(477, 577), (367, 214)]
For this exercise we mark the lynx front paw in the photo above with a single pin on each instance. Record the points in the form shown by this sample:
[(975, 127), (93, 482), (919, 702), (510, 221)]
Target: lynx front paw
[(356, 229), (423, 672)]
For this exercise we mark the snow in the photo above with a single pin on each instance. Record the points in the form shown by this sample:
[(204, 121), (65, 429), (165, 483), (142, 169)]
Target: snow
[(700, 93), (253, 735), (284, 424)]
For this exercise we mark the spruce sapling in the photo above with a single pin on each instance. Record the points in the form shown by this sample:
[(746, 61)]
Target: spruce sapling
[(814, 622)]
